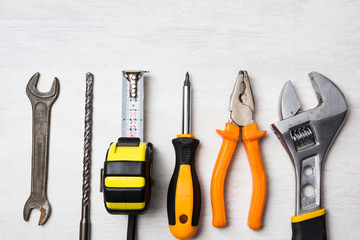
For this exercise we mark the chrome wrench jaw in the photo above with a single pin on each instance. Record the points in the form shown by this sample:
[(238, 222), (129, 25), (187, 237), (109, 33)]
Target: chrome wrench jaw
[(41, 110), (289, 104), (308, 135)]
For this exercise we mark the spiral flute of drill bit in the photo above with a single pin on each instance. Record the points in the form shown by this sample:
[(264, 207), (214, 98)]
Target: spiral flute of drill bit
[(85, 214)]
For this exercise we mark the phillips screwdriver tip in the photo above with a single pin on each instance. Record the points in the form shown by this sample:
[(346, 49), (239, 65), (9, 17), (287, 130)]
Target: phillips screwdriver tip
[(187, 80)]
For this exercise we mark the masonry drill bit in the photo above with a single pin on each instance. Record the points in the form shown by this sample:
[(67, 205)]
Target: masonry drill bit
[(85, 212)]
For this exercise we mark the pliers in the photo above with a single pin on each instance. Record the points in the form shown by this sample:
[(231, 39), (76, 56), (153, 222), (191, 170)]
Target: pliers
[(241, 115)]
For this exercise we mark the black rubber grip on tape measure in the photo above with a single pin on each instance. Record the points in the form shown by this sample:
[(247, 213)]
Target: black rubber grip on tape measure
[(185, 149), (125, 168), (310, 229), (125, 194)]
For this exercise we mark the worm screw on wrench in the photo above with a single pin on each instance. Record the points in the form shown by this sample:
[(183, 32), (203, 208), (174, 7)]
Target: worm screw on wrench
[(307, 136), (85, 210), (41, 109)]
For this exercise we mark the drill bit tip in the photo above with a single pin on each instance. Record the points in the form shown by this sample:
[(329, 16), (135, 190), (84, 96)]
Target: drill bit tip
[(89, 75), (187, 80)]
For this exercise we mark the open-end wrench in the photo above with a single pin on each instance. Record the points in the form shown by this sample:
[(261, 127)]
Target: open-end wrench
[(41, 109), (307, 137)]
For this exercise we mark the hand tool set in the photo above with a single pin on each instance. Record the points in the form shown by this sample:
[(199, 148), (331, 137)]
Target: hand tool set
[(126, 177)]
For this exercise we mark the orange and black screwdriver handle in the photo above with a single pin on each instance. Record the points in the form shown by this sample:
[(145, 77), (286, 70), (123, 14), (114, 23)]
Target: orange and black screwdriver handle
[(184, 198)]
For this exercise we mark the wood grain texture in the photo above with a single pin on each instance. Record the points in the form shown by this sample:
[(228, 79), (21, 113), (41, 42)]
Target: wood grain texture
[(274, 41)]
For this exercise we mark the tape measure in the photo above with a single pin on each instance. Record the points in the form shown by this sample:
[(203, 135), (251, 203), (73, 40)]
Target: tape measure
[(126, 176)]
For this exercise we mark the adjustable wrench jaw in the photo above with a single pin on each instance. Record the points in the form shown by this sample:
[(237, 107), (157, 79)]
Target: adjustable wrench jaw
[(308, 135)]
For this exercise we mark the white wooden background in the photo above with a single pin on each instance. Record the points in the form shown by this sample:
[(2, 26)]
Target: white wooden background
[(275, 41)]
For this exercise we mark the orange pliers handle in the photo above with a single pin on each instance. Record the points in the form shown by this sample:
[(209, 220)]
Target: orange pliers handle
[(230, 138), (250, 136)]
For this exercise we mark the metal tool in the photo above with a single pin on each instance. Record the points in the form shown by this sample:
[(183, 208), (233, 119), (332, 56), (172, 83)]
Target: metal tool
[(133, 104), (126, 176), (85, 223), (307, 137), (184, 194), (41, 110), (241, 115)]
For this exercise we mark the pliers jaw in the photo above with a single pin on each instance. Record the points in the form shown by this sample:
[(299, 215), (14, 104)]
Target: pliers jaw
[(241, 101)]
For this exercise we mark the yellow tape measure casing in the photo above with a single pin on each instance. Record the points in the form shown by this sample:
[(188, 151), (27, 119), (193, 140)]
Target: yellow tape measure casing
[(126, 179)]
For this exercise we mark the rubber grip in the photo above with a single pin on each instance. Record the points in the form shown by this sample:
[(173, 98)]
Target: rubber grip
[(184, 195), (230, 138), (250, 137), (310, 229)]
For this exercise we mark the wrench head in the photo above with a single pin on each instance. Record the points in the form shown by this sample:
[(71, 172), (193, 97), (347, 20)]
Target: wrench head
[(37, 203), (329, 96), (34, 94), (317, 126), (308, 135)]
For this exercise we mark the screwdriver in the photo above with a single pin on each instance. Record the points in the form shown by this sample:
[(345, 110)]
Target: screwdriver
[(184, 197)]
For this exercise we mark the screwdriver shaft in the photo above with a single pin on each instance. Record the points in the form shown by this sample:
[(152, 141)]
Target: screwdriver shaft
[(186, 117)]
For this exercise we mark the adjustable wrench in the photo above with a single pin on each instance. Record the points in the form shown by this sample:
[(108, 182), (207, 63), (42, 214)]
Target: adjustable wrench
[(307, 137), (41, 109)]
